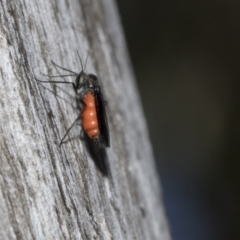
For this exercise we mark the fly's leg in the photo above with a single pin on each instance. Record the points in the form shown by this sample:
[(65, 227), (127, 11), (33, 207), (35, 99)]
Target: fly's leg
[(69, 129)]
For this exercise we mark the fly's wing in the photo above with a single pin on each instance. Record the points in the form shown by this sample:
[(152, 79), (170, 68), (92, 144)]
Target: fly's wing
[(102, 117)]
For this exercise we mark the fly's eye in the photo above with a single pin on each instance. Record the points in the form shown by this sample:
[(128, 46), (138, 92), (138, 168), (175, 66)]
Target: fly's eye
[(93, 77)]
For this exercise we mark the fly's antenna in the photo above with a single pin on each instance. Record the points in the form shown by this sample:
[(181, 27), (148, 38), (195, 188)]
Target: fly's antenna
[(86, 62), (80, 60)]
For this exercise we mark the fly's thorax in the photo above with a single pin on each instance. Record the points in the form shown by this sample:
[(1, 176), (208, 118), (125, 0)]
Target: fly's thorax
[(81, 92), (85, 83), (92, 81)]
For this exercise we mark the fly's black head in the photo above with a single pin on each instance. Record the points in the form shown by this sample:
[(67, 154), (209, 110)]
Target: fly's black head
[(84, 82), (92, 81)]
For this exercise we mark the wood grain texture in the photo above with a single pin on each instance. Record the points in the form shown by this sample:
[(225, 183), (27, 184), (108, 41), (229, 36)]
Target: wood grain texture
[(73, 191)]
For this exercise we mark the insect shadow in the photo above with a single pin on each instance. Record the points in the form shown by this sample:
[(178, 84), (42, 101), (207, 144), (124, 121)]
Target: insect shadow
[(98, 155)]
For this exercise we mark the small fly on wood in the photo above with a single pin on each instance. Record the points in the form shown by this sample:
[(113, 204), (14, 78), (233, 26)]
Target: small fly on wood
[(89, 95)]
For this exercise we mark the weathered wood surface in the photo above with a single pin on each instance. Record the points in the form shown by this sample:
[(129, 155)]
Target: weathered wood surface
[(53, 192)]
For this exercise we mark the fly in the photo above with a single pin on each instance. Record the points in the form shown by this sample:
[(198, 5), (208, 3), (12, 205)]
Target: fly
[(89, 95)]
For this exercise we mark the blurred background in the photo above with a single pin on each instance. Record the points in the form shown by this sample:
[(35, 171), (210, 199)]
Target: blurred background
[(185, 56)]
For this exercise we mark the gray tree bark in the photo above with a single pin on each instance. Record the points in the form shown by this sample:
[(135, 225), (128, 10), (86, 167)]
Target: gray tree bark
[(73, 191)]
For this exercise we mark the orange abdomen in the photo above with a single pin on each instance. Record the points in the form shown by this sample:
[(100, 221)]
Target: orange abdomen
[(89, 117)]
